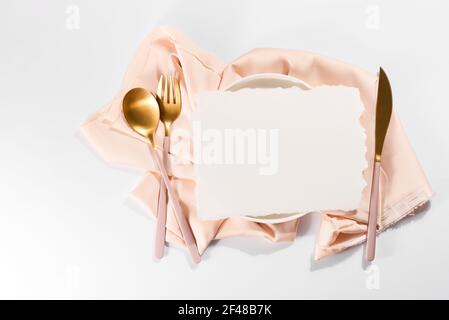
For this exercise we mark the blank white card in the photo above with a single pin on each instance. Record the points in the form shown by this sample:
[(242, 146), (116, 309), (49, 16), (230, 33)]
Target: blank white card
[(266, 151)]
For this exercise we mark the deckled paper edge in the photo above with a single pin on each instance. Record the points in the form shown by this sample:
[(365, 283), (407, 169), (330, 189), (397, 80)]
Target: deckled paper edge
[(362, 114)]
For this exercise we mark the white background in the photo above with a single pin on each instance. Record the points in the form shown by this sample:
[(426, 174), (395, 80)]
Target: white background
[(66, 228)]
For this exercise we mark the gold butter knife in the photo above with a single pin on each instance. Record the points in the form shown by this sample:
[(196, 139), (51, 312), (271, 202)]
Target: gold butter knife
[(384, 106)]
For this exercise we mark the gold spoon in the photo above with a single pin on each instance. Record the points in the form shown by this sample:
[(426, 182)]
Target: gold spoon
[(170, 104), (141, 111)]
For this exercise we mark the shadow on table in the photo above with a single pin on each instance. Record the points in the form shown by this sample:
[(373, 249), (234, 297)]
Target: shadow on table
[(253, 246)]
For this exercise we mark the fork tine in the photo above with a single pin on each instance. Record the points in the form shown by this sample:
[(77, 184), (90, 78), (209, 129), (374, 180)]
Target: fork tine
[(159, 87), (177, 91), (172, 91), (168, 89), (166, 96)]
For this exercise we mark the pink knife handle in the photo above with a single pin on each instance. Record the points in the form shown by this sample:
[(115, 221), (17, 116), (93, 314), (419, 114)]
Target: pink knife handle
[(186, 232), (373, 212), (161, 219)]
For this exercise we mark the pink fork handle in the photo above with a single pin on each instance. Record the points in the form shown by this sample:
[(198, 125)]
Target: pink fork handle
[(161, 219), (186, 232), (373, 212)]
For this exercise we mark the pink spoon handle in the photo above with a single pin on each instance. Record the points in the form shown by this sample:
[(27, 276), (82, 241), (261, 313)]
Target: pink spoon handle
[(186, 232), (161, 219), (373, 212)]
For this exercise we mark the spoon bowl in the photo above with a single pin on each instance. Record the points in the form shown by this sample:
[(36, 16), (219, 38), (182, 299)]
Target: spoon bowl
[(141, 111)]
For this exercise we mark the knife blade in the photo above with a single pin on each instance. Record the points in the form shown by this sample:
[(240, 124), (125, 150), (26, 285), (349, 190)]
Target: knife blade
[(384, 107)]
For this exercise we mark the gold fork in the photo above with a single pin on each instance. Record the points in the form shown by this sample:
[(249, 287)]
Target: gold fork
[(170, 104)]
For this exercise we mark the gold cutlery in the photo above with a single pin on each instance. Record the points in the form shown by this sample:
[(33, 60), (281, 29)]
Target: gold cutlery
[(170, 104), (141, 111), (384, 106)]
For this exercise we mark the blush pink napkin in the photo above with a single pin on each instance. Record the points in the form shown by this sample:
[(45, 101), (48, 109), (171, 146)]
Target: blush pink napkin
[(404, 185)]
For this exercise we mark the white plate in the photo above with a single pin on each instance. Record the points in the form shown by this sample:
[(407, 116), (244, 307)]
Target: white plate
[(267, 80), (270, 80)]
